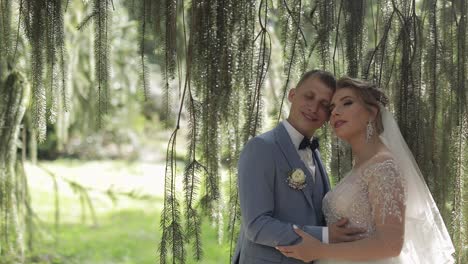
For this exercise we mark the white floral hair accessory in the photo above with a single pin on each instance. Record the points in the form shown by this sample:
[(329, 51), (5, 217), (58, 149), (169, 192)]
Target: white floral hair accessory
[(297, 179)]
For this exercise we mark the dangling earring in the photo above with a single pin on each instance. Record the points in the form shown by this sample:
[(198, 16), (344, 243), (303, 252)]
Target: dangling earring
[(369, 131)]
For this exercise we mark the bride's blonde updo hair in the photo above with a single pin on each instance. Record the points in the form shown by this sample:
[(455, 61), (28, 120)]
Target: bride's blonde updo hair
[(370, 95)]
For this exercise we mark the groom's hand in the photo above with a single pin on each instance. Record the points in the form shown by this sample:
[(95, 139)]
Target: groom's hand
[(338, 232)]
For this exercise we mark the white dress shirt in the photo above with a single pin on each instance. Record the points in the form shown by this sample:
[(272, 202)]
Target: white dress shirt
[(306, 157)]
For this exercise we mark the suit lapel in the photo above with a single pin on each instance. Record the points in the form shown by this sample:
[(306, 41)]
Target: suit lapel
[(325, 180), (290, 153)]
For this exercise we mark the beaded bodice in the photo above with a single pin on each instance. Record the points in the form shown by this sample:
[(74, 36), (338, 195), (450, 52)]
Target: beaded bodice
[(367, 195)]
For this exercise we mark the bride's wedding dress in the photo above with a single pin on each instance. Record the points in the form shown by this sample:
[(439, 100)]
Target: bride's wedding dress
[(350, 198), (379, 186)]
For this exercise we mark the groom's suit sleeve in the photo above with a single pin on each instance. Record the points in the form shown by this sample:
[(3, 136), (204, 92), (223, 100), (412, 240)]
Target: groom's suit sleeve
[(256, 192)]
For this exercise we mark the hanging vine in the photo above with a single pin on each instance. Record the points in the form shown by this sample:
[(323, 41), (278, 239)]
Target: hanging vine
[(218, 53), (396, 48)]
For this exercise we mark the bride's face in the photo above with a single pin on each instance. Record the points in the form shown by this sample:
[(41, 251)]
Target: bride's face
[(349, 115)]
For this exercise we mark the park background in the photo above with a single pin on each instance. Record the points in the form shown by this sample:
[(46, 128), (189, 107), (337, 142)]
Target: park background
[(121, 121)]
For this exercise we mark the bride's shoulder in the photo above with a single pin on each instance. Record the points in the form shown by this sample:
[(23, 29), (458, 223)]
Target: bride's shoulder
[(382, 156), (383, 164)]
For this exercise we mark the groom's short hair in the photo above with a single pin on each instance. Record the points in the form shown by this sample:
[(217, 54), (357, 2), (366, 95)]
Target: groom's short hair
[(325, 77)]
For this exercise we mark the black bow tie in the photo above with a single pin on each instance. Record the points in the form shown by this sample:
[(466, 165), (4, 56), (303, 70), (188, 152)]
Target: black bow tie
[(313, 145)]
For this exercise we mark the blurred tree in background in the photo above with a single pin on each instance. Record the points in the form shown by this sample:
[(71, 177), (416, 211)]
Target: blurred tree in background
[(226, 67)]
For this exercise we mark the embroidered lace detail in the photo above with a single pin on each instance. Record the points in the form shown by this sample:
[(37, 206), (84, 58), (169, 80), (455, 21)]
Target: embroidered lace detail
[(386, 188), (367, 196)]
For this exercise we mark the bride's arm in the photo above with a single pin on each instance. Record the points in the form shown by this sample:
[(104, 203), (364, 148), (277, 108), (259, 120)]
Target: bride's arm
[(387, 199), (387, 242)]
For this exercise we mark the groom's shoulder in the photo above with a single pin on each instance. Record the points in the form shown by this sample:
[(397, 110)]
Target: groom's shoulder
[(266, 138)]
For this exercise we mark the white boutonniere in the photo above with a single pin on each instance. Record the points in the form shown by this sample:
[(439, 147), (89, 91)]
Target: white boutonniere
[(297, 179)]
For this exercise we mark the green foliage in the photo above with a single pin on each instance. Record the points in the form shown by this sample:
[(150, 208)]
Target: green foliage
[(44, 27), (83, 119), (395, 44), (353, 15), (216, 56), (101, 9), (5, 40)]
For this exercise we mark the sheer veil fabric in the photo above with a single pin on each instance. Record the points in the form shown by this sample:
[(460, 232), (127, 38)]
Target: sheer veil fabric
[(426, 237)]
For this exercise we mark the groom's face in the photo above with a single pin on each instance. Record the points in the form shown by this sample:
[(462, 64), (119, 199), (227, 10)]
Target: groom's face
[(309, 105)]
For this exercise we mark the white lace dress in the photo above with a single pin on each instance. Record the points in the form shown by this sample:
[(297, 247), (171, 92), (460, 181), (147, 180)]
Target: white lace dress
[(376, 187)]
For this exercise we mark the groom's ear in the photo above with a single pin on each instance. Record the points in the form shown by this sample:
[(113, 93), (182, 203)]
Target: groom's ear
[(291, 94)]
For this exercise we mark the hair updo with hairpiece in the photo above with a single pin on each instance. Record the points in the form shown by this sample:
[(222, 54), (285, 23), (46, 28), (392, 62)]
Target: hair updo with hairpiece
[(370, 95)]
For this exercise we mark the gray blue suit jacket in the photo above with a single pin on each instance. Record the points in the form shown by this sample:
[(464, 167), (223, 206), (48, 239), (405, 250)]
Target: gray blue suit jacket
[(269, 206)]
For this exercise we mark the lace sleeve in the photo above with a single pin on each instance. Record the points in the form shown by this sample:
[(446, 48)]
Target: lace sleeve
[(386, 192)]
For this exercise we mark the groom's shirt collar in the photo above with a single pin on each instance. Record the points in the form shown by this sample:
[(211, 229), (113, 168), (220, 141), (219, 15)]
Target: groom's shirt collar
[(296, 136)]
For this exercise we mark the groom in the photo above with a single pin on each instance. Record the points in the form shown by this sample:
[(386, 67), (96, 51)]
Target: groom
[(282, 180)]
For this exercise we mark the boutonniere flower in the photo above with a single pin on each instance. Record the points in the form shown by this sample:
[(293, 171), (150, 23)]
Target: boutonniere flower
[(297, 179)]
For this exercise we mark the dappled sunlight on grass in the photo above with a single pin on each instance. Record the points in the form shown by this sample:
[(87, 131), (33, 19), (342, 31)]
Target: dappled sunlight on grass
[(147, 178), (125, 230), (127, 236)]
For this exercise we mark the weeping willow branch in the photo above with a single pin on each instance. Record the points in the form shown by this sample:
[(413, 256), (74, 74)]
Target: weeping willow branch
[(193, 168), (170, 37), (101, 51), (5, 42), (244, 14), (292, 57), (432, 62), (43, 23), (211, 30), (337, 37), (170, 217), (101, 17), (229, 56), (173, 236), (421, 64), (354, 24), (326, 26), (169, 19), (83, 193), (145, 21), (263, 63), (379, 47), (35, 14)]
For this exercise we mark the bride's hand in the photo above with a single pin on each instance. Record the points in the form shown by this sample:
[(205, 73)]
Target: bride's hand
[(307, 250)]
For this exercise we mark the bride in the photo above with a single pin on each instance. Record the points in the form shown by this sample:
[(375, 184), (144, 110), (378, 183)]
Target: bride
[(384, 193)]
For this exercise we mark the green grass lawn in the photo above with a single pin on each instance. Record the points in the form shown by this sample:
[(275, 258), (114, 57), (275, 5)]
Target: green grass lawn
[(126, 231), (125, 236)]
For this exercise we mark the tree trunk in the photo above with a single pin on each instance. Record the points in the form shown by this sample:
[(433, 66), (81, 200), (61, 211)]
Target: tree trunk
[(14, 96)]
